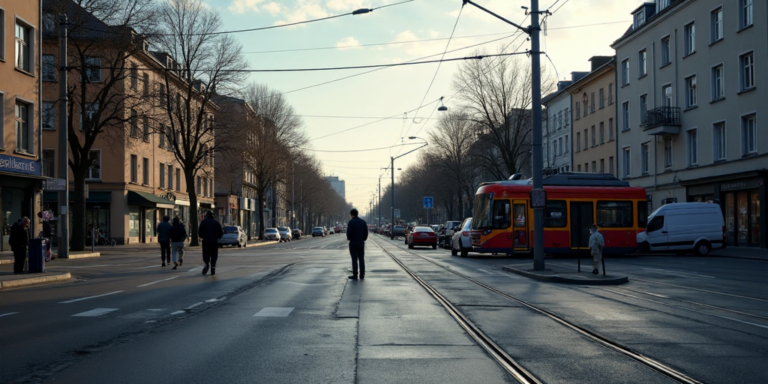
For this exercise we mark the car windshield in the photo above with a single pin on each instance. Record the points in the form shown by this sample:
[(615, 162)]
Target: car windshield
[(317, 229), (423, 229), (270, 230), (282, 229), (467, 225), (230, 229), (399, 228)]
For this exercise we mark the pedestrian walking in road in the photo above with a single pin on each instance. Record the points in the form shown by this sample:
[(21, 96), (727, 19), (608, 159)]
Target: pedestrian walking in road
[(357, 234), (163, 232), (596, 244), (210, 232), (178, 236), (19, 240)]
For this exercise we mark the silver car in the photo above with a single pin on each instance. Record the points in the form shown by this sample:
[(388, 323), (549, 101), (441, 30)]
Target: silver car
[(271, 234), (285, 233), (233, 235), (460, 242)]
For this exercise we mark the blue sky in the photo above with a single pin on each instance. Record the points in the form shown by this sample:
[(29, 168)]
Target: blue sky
[(577, 31)]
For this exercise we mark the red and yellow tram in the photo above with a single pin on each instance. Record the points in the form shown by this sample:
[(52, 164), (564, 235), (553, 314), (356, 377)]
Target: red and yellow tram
[(503, 217)]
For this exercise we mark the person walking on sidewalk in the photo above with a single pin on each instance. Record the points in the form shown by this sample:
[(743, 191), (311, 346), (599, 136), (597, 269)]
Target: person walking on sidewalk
[(163, 231), (357, 234), (19, 240), (596, 244), (210, 232), (178, 235)]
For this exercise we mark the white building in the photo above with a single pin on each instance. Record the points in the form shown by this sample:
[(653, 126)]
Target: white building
[(337, 185), (557, 129)]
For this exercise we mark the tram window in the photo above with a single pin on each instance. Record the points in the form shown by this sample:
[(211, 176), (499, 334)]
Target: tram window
[(501, 214), (614, 214), (519, 215), (642, 214), (555, 214), (483, 214), (656, 224)]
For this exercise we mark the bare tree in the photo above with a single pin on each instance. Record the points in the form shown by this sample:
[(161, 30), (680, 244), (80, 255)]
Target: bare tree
[(202, 62)]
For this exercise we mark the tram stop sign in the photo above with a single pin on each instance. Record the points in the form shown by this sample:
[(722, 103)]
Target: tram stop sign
[(429, 202), (538, 198)]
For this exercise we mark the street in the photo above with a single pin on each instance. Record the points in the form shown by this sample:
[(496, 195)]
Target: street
[(286, 313)]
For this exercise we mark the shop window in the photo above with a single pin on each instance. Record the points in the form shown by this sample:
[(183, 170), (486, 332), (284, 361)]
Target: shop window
[(134, 222), (556, 214), (614, 214)]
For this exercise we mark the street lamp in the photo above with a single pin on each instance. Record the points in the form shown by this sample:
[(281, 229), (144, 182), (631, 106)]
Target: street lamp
[(392, 167)]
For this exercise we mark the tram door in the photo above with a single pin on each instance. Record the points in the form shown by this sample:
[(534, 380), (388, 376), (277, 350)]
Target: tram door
[(520, 229), (581, 220)]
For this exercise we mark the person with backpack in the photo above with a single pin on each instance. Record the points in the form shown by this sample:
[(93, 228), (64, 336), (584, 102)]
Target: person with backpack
[(596, 245)]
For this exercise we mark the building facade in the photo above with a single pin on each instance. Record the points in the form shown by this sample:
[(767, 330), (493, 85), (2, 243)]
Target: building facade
[(556, 141), (21, 178), (592, 102), (338, 185), (689, 106)]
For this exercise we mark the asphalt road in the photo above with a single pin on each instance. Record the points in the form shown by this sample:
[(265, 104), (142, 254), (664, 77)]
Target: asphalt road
[(286, 313)]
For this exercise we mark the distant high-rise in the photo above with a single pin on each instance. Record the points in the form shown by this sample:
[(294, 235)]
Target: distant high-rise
[(337, 185)]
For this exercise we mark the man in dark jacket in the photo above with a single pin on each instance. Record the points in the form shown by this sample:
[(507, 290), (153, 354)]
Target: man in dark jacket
[(357, 234), (210, 232), (163, 232), (18, 240), (178, 236)]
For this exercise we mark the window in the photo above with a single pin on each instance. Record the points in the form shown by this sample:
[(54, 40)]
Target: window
[(178, 179), (718, 141), (655, 224), (665, 56), (639, 18), (161, 136), (692, 145), (586, 167), (49, 68), (559, 120), (643, 59), (718, 85), (645, 158), (134, 169), (554, 148), (560, 142), (716, 24), (199, 186), (690, 92), (594, 167), (663, 4), (93, 69), (145, 125), (666, 94), (602, 132), (161, 95), (134, 76), (749, 134), (556, 214), (94, 170), (2, 43), (145, 171), (610, 93), (614, 214), (601, 98), (643, 108), (24, 48), (49, 162), (87, 118), (610, 129), (578, 168), (667, 152), (134, 123), (625, 116), (24, 139), (586, 110), (625, 72), (745, 14), (690, 38), (566, 143), (594, 137), (747, 65), (162, 175), (566, 119), (626, 160), (602, 165), (205, 187), (592, 103), (49, 115), (577, 110), (610, 164), (578, 141), (146, 84), (170, 177), (586, 139)]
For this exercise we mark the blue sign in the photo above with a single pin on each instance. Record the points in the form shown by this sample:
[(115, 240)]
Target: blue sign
[(20, 165), (429, 202)]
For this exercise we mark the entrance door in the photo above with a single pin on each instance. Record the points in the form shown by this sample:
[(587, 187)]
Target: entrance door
[(520, 225), (581, 219)]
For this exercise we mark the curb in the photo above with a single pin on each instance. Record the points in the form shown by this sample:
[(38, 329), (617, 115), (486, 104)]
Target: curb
[(34, 280), (83, 255), (566, 280), (6, 261)]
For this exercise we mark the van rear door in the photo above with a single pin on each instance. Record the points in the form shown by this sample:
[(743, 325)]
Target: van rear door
[(657, 234)]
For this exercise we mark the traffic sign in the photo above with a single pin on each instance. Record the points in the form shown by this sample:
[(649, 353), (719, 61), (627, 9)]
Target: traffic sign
[(429, 202), (397, 212), (55, 184)]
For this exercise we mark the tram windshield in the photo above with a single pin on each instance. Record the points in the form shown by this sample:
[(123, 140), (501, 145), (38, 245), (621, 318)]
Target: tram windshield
[(491, 214)]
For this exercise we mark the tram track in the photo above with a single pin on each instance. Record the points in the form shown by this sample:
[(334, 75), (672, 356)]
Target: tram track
[(506, 361)]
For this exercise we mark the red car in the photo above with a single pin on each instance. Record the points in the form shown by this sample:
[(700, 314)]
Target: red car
[(422, 236)]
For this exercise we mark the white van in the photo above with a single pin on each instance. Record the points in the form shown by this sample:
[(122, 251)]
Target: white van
[(684, 227)]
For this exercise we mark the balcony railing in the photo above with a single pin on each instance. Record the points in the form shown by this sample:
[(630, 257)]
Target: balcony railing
[(662, 116)]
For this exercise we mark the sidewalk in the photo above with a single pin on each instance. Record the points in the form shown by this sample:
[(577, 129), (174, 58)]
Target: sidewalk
[(8, 280), (742, 253), (556, 274)]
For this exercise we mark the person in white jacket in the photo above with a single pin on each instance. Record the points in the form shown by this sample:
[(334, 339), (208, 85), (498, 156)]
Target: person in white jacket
[(596, 244)]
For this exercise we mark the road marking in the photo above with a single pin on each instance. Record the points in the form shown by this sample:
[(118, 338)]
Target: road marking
[(194, 269), (682, 273), (484, 271), (151, 266), (274, 312), (177, 313), (94, 266), (8, 314), (155, 282), (89, 297), (194, 305), (96, 312)]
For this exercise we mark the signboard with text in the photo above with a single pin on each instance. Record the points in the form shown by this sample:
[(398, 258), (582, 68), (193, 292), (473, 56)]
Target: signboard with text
[(20, 165), (429, 202), (55, 184), (397, 213)]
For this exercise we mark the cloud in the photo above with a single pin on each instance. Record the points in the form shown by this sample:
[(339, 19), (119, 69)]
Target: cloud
[(346, 5), (274, 9), (303, 10), (348, 43), (243, 6)]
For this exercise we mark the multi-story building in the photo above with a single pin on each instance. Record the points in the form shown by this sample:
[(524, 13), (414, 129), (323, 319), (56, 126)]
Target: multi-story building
[(556, 141), (689, 98), (593, 136), (20, 156), (338, 185)]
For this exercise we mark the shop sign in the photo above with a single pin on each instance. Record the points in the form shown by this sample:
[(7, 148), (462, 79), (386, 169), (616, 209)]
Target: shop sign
[(737, 185), (168, 196), (55, 184), (20, 165)]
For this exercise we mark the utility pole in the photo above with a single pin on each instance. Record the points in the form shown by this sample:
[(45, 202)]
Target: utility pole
[(293, 194), (379, 218), (392, 189), (63, 142)]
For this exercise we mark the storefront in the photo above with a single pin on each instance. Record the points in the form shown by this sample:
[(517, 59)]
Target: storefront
[(97, 211), (20, 194), (143, 216), (743, 201)]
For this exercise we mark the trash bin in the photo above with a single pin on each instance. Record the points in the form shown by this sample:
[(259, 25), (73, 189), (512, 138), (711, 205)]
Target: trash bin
[(37, 247)]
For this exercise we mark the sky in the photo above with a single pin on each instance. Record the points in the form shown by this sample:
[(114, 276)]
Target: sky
[(368, 110)]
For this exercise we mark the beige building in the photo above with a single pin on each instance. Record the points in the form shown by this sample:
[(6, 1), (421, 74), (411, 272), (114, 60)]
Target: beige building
[(20, 163), (690, 99), (592, 102)]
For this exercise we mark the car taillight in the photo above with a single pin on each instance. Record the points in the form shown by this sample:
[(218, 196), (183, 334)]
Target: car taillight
[(465, 233)]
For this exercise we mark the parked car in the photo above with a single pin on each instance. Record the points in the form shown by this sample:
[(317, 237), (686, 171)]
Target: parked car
[(684, 227), (285, 233), (318, 231), (397, 230), (233, 235), (460, 242), (297, 233), (422, 236), (337, 229), (331, 231), (446, 233), (435, 227), (271, 234)]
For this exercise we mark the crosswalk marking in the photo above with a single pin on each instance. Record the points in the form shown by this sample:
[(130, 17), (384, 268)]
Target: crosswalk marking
[(96, 312), (274, 312), (89, 297)]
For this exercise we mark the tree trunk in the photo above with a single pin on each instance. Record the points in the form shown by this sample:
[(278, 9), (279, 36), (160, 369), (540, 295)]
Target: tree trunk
[(77, 210), (260, 207), (194, 220)]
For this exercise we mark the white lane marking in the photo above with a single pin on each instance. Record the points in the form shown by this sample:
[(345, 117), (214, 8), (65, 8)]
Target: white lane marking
[(155, 282), (484, 271), (177, 313), (94, 266), (89, 297), (194, 305), (274, 312), (96, 312), (678, 272), (8, 314), (194, 269), (151, 266)]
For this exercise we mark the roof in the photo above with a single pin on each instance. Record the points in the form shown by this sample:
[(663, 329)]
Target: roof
[(592, 75), (631, 30)]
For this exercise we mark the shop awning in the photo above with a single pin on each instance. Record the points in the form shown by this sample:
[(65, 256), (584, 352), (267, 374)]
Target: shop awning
[(94, 197), (149, 200)]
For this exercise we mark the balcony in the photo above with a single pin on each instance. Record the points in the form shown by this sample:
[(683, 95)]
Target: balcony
[(662, 121)]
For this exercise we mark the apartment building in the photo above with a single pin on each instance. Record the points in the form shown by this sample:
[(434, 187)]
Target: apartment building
[(689, 98), (21, 180), (556, 140), (592, 103)]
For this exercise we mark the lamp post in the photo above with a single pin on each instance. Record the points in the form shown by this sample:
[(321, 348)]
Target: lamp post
[(392, 167)]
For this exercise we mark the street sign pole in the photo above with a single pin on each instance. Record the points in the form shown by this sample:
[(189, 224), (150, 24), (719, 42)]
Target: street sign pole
[(63, 247)]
